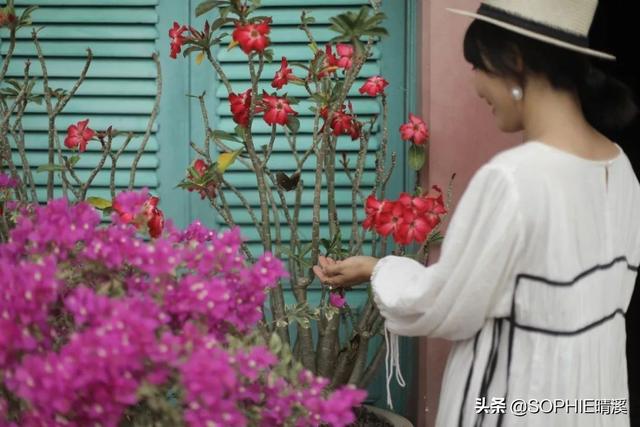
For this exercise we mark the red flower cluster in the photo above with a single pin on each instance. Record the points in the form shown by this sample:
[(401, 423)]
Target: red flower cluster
[(207, 188), (374, 86), (343, 123), (240, 107), (132, 210), (252, 37), (415, 130), (407, 219), (79, 135), (283, 75), (177, 39), (344, 59), (7, 16), (276, 109)]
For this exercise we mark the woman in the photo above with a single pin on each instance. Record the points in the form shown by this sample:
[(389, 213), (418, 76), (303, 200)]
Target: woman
[(540, 258)]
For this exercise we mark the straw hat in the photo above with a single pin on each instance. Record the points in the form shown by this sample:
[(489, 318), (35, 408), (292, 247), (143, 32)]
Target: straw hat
[(564, 23)]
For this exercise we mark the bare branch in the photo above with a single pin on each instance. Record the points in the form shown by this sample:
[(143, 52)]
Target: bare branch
[(152, 119)]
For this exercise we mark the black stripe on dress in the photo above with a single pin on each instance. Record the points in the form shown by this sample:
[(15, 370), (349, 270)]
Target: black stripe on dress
[(468, 382), (512, 317)]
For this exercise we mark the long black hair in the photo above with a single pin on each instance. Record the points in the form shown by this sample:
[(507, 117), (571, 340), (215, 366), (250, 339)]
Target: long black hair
[(607, 104)]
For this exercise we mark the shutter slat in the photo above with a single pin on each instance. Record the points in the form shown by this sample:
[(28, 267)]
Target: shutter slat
[(241, 71), (101, 49), (303, 143), (106, 87), (93, 2), (307, 3), (91, 15), (144, 178), (362, 106), (246, 179), (131, 68), (284, 162), (90, 32), (97, 122), (293, 52), (89, 159), (343, 196), (102, 105), (39, 141), (259, 126), (292, 90)]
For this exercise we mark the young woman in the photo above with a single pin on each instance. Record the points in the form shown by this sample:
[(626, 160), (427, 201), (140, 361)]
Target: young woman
[(540, 258)]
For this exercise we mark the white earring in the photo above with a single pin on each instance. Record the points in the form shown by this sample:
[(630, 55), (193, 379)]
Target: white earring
[(516, 92)]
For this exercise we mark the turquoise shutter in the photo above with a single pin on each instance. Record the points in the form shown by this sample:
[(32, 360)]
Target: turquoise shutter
[(394, 58), (119, 90)]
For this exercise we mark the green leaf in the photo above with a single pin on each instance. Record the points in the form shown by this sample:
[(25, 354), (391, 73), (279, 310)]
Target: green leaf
[(207, 5), (99, 203), (275, 343), (268, 55), (293, 123), (51, 168), (240, 130), (73, 160), (224, 136), (416, 157), (219, 23)]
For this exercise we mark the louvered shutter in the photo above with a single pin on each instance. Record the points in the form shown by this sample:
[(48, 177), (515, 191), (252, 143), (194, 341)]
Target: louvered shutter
[(119, 90), (289, 41)]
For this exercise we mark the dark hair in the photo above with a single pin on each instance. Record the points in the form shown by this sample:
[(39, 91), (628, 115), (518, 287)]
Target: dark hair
[(607, 104)]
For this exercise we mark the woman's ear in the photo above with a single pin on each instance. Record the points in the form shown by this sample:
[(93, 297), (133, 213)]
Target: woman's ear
[(515, 58)]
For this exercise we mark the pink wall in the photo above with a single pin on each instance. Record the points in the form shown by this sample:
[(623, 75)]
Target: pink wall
[(463, 137)]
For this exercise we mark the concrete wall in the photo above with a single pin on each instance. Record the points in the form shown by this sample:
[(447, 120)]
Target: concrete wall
[(463, 137)]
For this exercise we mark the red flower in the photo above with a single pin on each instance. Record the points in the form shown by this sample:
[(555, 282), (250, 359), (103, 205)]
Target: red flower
[(240, 107), (177, 39), (154, 217), (204, 188), (407, 219), (374, 86), (345, 52), (435, 207), (276, 109), (388, 220), (372, 208), (343, 123), (416, 230), (201, 167), (252, 37), (283, 75), (7, 16), (79, 135), (415, 130), (140, 210)]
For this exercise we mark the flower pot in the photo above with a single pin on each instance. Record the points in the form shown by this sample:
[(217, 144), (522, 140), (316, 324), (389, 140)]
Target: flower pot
[(390, 417)]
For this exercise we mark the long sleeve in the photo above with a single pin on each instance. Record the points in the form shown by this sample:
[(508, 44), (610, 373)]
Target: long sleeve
[(453, 297)]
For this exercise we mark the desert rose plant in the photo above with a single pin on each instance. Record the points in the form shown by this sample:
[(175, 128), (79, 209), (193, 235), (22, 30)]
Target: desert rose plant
[(327, 78)]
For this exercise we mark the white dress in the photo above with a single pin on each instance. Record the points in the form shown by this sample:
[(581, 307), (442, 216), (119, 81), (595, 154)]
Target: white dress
[(535, 275)]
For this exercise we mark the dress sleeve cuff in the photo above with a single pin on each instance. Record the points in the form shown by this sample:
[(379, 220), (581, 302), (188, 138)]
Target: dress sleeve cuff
[(384, 290)]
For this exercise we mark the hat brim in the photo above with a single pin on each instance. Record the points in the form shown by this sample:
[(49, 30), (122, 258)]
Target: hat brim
[(534, 35)]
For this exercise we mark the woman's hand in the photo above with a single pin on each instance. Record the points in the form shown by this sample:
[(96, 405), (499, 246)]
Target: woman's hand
[(344, 273)]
